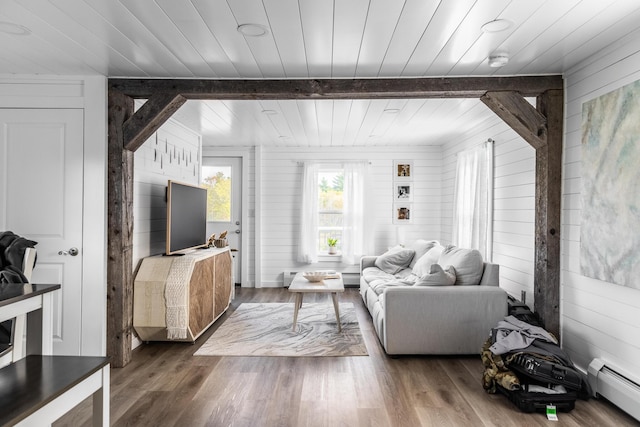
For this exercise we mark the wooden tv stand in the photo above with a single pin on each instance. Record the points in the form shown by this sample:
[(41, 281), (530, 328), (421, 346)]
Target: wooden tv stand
[(207, 291)]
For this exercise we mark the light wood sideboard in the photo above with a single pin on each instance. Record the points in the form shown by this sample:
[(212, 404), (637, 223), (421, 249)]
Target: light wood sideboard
[(206, 286)]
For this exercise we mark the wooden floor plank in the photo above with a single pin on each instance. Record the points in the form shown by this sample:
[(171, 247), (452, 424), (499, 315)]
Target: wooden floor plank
[(165, 385)]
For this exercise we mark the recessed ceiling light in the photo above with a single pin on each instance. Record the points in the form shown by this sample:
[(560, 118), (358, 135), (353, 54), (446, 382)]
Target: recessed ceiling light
[(499, 60), (15, 29), (497, 25), (252, 30)]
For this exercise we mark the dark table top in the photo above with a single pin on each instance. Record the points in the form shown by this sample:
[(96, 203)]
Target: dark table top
[(30, 383), (11, 293)]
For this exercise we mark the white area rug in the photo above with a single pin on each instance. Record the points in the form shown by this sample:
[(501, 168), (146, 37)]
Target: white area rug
[(266, 330)]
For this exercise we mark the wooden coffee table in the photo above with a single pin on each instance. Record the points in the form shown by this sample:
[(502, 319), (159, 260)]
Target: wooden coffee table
[(300, 286)]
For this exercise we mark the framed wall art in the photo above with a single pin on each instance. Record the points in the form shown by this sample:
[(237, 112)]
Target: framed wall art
[(403, 170), (403, 192), (402, 213)]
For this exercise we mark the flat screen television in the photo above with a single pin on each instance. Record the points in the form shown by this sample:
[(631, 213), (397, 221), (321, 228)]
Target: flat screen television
[(186, 217)]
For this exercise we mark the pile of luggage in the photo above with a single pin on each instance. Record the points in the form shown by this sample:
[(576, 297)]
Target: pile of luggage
[(524, 362)]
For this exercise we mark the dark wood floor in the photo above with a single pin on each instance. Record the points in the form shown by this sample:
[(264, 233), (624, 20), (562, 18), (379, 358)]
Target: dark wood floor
[(165, 385)]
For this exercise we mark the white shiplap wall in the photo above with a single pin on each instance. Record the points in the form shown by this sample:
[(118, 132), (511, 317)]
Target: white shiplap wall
[(281, 183), (514, 202), (173, 152), (598, 319)]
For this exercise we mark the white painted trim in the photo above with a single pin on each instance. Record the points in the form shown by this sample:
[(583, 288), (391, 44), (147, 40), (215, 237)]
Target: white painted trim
[(93, 341), (244, 237), (258, 217)]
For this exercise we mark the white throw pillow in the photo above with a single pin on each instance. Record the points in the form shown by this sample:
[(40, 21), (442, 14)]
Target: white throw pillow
[(422, 265), (438, 276), (467, 262), (394, 260), (421, 247)]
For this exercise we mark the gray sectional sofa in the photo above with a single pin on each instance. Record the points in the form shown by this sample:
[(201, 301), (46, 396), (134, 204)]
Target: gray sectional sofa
[(426, 298)]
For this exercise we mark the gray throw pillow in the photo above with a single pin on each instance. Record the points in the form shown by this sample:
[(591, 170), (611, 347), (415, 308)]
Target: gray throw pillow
[(467, 262), (394, 260), (423, 264), (438, 276), (421, 247)]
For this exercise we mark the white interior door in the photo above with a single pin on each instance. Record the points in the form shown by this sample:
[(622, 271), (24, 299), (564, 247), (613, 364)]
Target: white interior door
[(41, 190), (225, 214)]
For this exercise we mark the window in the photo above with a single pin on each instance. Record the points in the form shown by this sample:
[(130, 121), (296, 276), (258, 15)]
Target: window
[(217, 180), (330, 206), (333, 199)]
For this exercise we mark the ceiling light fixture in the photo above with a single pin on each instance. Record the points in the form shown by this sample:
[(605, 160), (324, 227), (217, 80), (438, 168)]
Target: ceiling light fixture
[(269, 112), (392, 110), (252, 30), (498, 60), (14, 29), (497, 25)]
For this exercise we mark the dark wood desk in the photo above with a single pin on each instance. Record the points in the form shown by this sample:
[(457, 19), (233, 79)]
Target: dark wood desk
[(36, 302), (37, 390)]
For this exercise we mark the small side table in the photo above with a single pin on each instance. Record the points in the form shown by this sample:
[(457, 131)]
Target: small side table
[(300, 286)]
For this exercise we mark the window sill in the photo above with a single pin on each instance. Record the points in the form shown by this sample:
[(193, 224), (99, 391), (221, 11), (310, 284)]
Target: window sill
[(326, 257)]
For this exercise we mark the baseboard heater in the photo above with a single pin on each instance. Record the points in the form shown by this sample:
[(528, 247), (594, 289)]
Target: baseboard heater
[(350, 279), (610, 383)]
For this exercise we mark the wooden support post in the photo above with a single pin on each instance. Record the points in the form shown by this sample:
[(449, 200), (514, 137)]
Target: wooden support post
[(542, 128), (548, 198), (120, 233)]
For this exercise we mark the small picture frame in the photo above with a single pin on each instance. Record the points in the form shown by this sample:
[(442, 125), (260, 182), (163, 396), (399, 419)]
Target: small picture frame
[(403, 192), (402, 213), (403, 170)]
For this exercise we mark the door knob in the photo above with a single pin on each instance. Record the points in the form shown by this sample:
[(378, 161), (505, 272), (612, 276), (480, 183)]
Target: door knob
[(238, 231), (72, 252)]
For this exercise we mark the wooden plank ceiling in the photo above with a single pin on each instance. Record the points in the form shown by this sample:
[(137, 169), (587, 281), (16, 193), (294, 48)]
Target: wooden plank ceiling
[(311, 39)]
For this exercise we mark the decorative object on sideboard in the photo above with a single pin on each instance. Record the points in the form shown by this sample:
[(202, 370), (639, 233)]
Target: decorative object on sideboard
[(219, 242)]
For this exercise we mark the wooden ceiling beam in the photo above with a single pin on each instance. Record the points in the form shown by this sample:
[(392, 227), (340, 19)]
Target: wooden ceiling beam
[(523, 117), (409, 88), (149, 118), (541, 127)]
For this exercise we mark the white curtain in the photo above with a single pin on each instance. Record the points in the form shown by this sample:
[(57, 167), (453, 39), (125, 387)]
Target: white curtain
[(308, 243), (355, 241), (473, 200)]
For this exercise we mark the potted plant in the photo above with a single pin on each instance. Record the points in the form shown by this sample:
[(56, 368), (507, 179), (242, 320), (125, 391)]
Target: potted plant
[(332, 245)]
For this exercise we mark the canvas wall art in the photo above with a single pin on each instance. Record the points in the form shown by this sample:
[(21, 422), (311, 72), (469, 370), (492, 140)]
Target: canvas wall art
[(610, 227)]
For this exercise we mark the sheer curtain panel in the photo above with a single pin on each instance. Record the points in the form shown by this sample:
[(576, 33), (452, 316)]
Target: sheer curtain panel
[(354, 239), (473, 200), (308, 242)]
